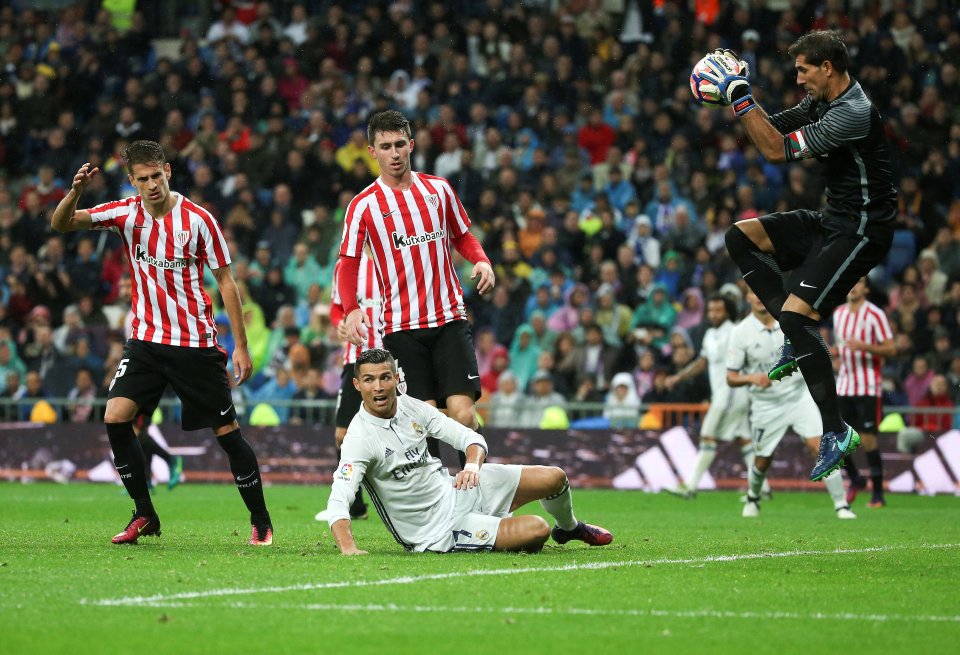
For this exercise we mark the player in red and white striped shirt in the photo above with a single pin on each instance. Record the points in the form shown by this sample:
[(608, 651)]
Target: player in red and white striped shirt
[(863, 338), (168, 241), (410, 220)]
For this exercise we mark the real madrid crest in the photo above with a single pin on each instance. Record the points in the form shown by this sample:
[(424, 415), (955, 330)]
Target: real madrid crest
[(417, 428)]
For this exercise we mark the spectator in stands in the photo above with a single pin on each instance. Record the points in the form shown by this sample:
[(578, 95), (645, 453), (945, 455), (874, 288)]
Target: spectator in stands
[(937, 395), (507, 404), (622, 404), (541, 397), (310, 391), (917, 384), (79, 408)]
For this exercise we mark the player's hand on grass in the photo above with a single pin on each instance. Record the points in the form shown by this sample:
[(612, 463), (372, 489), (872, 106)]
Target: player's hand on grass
[(83, 177), (487, 278), (356, 327), (466, 480), (242, 365), (353, 551)]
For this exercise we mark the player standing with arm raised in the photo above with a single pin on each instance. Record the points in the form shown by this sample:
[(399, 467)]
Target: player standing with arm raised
[(423, 506), (827, 251), (410, 220), (168, 241), (863, 336)]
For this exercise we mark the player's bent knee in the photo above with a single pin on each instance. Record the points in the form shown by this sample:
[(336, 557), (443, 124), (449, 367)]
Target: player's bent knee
[(522, 533), (558, 479)]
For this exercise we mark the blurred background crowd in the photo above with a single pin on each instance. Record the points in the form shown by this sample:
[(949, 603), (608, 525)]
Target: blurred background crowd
[(599, 190)]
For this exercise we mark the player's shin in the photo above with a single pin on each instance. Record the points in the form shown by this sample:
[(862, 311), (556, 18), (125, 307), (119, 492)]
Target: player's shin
[(246, 473), (560, 507), (813, 357), (759, 269), (834, 485), (755, 480), (876, 472), (129, 460), (705, 456)]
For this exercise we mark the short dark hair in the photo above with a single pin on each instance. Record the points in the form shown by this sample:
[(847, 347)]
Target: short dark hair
[(729, 305), (820, 46), (374, 356), (144, 152), (387, 121)]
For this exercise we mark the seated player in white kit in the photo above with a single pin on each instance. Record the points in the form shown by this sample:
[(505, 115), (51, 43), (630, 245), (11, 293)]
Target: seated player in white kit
[(423, 506), (775, 407)]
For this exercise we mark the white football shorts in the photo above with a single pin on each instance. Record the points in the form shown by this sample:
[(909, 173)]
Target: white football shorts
[(727, 421), (769, 424), (477, 514)]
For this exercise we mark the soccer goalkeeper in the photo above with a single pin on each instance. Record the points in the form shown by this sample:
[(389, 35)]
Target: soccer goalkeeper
[(802, 263)]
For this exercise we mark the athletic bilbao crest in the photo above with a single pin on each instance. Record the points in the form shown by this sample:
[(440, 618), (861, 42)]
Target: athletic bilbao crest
[(182, 238), (434, 200)]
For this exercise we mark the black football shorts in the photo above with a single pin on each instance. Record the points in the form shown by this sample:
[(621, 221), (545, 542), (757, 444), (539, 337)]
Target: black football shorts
[(197, 375), (436, 363)]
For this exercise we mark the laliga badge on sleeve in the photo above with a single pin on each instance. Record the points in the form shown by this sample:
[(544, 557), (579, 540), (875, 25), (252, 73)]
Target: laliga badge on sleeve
[(344, 473)]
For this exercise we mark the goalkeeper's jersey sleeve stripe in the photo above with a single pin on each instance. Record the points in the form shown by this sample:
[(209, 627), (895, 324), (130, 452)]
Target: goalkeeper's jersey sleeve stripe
[(793, 118), (845, 120)]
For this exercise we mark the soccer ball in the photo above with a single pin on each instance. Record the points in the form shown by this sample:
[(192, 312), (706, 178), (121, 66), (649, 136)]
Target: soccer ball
[(706, 92)]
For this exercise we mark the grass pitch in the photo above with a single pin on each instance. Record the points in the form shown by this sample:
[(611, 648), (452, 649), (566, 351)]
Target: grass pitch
[(681, 577)]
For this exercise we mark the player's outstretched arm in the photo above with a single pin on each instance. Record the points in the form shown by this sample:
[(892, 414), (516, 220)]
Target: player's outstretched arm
[(242, 363), (343, 535), (65, 217)]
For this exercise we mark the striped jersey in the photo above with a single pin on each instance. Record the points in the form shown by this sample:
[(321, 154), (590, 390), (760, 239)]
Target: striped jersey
[(860, 371), (412, 491), (410, 234), (166, 258), (368, 298), (846, 135)]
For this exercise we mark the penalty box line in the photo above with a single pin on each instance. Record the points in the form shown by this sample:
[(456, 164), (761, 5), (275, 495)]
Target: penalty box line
[(133, 601)]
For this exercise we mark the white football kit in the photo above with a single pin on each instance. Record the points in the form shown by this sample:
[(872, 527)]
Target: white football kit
[(727, 417), (754, 348), (412, 491)]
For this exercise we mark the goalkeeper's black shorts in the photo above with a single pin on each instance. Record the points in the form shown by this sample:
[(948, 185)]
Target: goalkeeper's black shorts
[(823, 257)]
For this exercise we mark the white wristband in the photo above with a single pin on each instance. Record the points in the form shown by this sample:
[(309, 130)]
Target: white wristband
[(472, 467)]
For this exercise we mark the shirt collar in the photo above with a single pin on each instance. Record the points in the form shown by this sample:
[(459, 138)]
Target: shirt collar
[(760, 327), (376, 420)]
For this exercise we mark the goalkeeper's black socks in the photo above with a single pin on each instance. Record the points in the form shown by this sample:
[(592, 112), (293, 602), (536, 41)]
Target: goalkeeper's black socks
[(246, 473), (759, 270), (813, 357), (129, 460)]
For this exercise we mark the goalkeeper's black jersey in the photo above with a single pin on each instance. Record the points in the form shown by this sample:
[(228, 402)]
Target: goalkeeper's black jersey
[(846, 136)]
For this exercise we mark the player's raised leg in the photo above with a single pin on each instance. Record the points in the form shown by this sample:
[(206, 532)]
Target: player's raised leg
[(550, 486)]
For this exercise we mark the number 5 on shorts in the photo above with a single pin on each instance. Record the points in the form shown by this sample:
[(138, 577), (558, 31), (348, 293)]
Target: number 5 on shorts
[(121, 369)]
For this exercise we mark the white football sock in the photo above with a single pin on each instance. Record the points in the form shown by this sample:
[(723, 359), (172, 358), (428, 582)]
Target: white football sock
[(757, 478), (749, 456), (834, 485), (708, 452), (560, 507)]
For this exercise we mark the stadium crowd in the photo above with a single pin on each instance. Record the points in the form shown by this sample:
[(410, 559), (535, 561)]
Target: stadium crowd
[(599, 190)]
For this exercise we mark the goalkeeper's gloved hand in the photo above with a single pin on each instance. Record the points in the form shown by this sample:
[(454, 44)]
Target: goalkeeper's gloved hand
[(734, 87)]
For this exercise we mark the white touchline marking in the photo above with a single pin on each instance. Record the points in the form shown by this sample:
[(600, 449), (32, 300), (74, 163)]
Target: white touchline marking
[(576, 611), (413, 579)]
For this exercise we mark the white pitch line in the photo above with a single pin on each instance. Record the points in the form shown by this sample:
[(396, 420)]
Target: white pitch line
[(579, 611), (404, 580)]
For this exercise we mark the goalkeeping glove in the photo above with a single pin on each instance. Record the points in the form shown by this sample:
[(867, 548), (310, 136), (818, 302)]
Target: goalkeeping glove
[(732, 84)]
